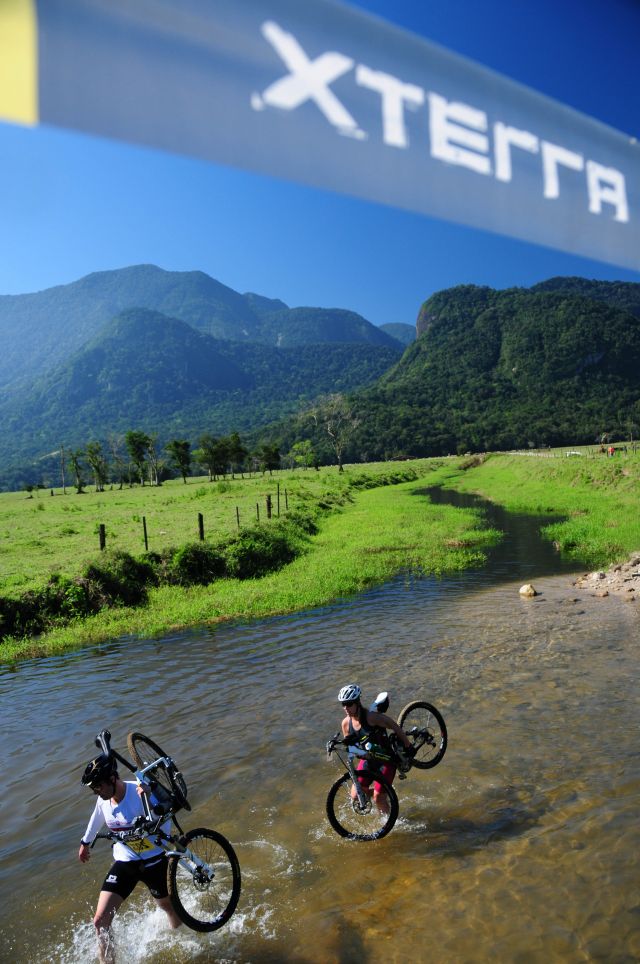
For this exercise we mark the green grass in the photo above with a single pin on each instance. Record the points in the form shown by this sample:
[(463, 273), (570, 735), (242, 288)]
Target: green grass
[(47, 534), (599, 496), (383, 531), (369, 534)]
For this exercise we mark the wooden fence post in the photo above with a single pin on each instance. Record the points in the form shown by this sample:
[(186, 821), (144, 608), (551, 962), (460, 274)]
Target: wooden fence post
[(278, 489), (103, 536), (286, 500), (268, 500), (201, 526), (238, 516), (258, 511), (144, 529)]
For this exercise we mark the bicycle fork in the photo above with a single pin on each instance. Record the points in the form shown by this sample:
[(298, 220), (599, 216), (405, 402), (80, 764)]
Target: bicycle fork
[(363, 798), (193, 862)]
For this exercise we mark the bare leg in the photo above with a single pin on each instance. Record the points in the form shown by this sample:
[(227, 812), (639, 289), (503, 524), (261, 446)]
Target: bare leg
[(381, 801), (108, 904), (167, 906)]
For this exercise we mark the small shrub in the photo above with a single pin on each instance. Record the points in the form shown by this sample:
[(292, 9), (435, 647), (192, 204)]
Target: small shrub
[(196, 563), (258, 550), (302, 519), (120, 578)]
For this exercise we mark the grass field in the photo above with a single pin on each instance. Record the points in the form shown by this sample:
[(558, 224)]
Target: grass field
[(371, 535), (45, 534), (599, 496)]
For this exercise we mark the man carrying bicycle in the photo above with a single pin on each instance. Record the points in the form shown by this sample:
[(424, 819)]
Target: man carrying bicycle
[(360, 726), (118, 805)]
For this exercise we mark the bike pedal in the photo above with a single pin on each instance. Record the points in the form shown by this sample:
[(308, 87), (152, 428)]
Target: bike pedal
[(402, 776)]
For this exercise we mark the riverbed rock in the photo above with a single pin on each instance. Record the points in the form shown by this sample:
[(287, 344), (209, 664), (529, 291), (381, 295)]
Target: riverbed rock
[(528, 590), (623, 579)]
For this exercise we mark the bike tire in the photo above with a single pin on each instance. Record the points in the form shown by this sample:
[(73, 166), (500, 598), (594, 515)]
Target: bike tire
[(427, 718), (205, 904), (348, 821), (144, 751)]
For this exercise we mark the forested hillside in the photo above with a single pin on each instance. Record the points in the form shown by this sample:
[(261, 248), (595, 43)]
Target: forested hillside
[(504, 369), (145, 370), (555, 364)]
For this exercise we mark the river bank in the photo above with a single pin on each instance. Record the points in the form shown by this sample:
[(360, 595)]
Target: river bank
[(622, 579), (383, 531)]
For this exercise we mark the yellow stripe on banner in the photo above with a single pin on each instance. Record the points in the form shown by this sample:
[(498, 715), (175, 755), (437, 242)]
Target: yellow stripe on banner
[(18, 61)]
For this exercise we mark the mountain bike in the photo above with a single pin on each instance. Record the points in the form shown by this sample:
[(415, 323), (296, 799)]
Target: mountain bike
[(350, 807), (203, 873)]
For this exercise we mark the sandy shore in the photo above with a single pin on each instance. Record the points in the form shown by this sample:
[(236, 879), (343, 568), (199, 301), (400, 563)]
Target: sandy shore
[(623, 579)]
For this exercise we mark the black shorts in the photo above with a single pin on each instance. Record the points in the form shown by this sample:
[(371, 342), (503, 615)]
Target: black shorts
[(125, 874)]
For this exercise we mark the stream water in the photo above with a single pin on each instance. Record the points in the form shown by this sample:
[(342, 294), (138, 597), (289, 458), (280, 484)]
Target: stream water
[(520, 846)]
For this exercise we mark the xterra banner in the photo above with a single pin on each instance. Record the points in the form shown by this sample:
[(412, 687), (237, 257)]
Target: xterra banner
[(318, 92)]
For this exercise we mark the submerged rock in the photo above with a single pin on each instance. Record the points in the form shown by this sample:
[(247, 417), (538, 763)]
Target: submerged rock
[(528, 590)]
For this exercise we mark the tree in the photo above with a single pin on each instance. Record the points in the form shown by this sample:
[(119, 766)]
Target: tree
[(156, 466), (206, 454), (334, 414), (180, 454), (75, 461), (115, 448), (303, 454), (98, 464), (138, 446), (237, 453), (268, 456)]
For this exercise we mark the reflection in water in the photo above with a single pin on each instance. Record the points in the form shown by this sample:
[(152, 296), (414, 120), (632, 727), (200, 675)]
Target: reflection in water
[(521, 845)]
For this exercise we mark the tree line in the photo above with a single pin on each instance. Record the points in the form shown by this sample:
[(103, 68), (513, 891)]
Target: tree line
[(137, 458)]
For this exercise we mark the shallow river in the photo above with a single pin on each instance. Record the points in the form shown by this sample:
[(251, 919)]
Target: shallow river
[(522, 845)]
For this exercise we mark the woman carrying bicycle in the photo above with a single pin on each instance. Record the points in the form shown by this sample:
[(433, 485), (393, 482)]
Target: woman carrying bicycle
[(118, 805), (361, 726)]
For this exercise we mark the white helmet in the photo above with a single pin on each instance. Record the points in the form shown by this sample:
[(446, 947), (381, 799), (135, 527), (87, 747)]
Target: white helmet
[(349, 693)]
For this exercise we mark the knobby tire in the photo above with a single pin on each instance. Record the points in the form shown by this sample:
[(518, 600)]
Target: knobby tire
[(347, 822), (201, 904), (425, 716)]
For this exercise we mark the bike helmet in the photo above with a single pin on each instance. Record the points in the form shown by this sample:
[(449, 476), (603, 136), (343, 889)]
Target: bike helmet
[(99, 769), (349, 693)]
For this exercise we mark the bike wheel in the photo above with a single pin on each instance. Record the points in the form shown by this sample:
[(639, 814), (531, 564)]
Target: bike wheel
[(351, 820), (144, 751), (426, 729), (204, 898)]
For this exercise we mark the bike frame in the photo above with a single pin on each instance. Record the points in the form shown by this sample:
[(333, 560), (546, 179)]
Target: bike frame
[(151, 825), (355, 751)]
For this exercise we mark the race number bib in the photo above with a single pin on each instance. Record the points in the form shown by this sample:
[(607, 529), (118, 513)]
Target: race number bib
[(139, 846)]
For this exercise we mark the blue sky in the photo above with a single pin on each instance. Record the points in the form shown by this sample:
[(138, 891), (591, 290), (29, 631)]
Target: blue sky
[(74, 204)]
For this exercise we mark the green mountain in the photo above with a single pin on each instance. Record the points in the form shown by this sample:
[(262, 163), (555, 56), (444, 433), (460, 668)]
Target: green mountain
[(505, 369), (619, 294), (314, 326), (403, 333), (39, 331), (146, 370), (555, 364)]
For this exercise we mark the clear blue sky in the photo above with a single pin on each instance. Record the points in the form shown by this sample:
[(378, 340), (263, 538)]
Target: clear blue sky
[(75, 204)]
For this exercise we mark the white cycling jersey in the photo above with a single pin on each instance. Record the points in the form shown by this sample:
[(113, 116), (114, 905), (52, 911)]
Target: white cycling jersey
[(120, 816)]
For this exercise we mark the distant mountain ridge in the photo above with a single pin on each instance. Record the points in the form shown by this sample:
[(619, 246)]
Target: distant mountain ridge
[(147, 370), (553, 364), (40, 330)]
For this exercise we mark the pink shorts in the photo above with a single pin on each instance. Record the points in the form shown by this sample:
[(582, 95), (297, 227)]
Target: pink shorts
[(388, 771)]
